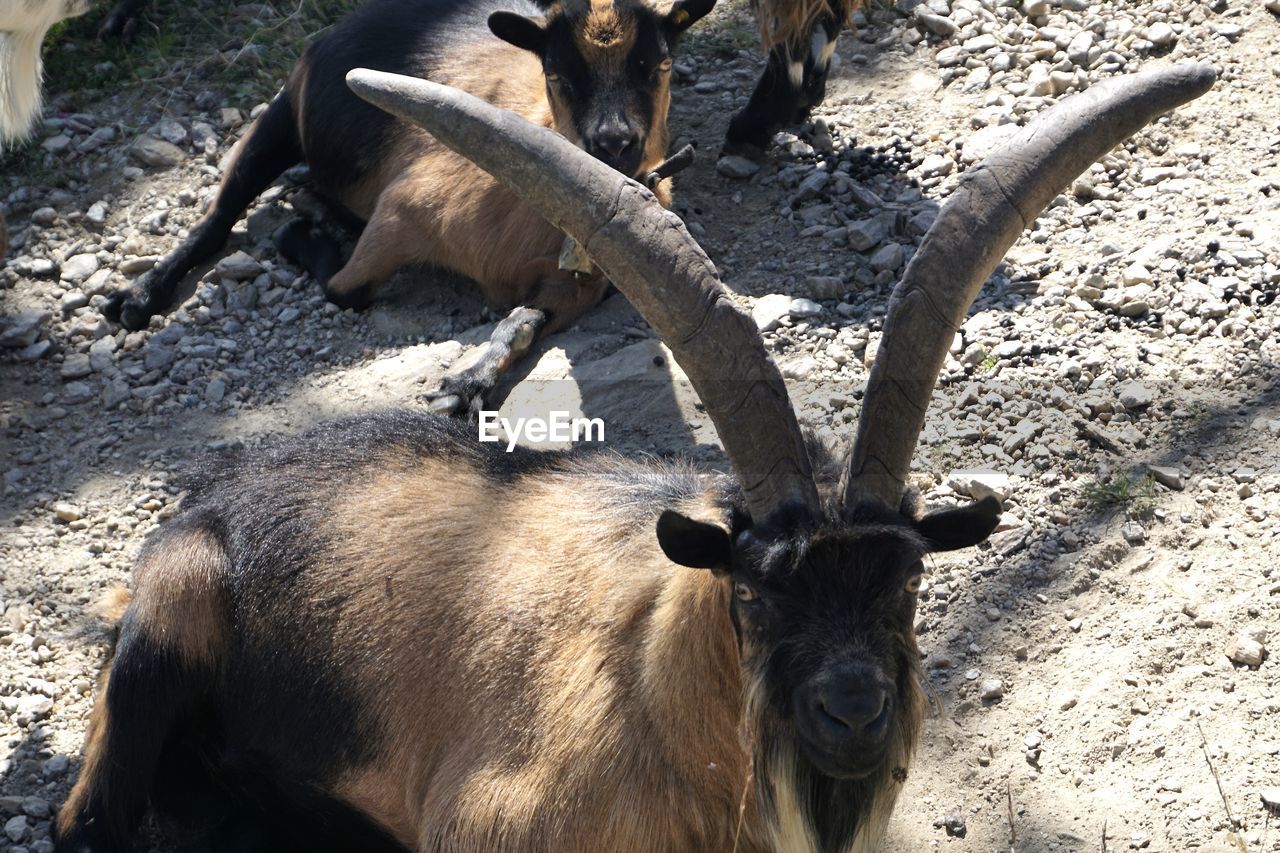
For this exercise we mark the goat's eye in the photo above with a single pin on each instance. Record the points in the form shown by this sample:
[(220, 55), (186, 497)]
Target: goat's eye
[(553, 77), (663, 67), (913, 584), (744, 592)]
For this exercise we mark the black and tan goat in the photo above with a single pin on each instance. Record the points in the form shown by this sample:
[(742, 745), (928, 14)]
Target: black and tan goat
[(799, 37), (596, 71), (386, 636)]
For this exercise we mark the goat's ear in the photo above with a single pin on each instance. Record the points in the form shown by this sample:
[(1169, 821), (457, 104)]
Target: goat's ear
[(685, 13), (696, 544), (527, 33), (961, 527)]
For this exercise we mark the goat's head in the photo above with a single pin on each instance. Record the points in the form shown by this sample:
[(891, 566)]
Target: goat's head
[(608, 72), (822, 582), (825, 622)]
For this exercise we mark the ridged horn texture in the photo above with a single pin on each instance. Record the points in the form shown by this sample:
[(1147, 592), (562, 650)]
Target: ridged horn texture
[(647, 253), (991, 207)]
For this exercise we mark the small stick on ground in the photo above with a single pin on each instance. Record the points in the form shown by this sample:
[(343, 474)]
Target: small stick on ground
[(1013, 833), (1103, 848), (1204, 748)]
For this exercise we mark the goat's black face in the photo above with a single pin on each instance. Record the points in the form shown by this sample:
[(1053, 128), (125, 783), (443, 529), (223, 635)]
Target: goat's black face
[(608, 70), (825, 624)]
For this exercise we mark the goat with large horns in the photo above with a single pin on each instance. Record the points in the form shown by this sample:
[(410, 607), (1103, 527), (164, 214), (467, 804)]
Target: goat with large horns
[(385, 636), (596, 71)]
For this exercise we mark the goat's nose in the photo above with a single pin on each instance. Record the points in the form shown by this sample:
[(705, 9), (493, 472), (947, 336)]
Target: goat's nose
[(853, 712), (615, 140)]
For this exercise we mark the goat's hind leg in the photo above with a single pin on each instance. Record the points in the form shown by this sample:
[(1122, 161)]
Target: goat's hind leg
[(271, 147), (388, 242), (157, 682)]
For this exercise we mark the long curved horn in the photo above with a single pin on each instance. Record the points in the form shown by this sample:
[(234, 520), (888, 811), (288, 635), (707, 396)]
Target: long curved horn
[(991, 207), (647, 253)]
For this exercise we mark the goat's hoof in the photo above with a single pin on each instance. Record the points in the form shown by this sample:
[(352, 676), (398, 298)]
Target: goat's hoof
[(445, 404), (461, 395), (133, 314), (357, 300)]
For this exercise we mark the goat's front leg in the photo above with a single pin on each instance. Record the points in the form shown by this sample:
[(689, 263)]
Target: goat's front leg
[(558, 299), (793, 83)]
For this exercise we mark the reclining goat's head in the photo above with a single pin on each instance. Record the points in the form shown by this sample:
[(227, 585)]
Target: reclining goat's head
[(608, 72)]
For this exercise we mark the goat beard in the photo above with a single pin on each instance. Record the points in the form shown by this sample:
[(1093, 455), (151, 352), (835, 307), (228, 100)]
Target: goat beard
[(806, 810)]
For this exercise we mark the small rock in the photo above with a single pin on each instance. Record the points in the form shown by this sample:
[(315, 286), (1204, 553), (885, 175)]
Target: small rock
[(1161, 34), (156, 152), (74, 393), (991, 690), (865, 234), (1271, 796), (16, 828), (936, 24), (102, 354), (977, 483), (738, 168), (1246, 651), (239, 266), (936, 165), (215, 390), (230, 117), (23, 329), (954, 824), (1035, 8), (56, 766), (887, 258), (804, 308), (67, 512), (1170, 478), (76, 366), (1133, 533), (79, 267), (769, 311), (1135, 395)]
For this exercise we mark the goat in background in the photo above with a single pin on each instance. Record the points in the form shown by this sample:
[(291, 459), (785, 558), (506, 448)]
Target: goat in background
[(596, 71)]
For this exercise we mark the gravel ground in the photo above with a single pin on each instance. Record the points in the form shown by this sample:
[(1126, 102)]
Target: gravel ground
[(1102, 664)]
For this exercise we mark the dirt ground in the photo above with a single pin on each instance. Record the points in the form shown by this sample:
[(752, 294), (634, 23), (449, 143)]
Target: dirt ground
[(1117, 380)]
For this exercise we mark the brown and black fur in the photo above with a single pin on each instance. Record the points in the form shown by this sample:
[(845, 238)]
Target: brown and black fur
[(599, 74), (340, 643), (800, 37)]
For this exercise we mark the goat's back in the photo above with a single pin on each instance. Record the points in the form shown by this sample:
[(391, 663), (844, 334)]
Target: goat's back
[(482, 651), (353, 148)]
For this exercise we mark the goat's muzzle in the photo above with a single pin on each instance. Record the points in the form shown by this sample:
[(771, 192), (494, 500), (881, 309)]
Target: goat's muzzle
[(845, 720)]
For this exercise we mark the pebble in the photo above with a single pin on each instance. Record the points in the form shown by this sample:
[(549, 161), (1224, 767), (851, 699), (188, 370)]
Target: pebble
[(977, 483), (1161, 34), (77, 268), (769, 311), (76, 366), (865, 234), (16, 828), (991, 689), (1135, 395), (1248, 647), (239, 266), (1171, 478), (1271, 796), (738, 168), (156, 152), (936, 24)]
